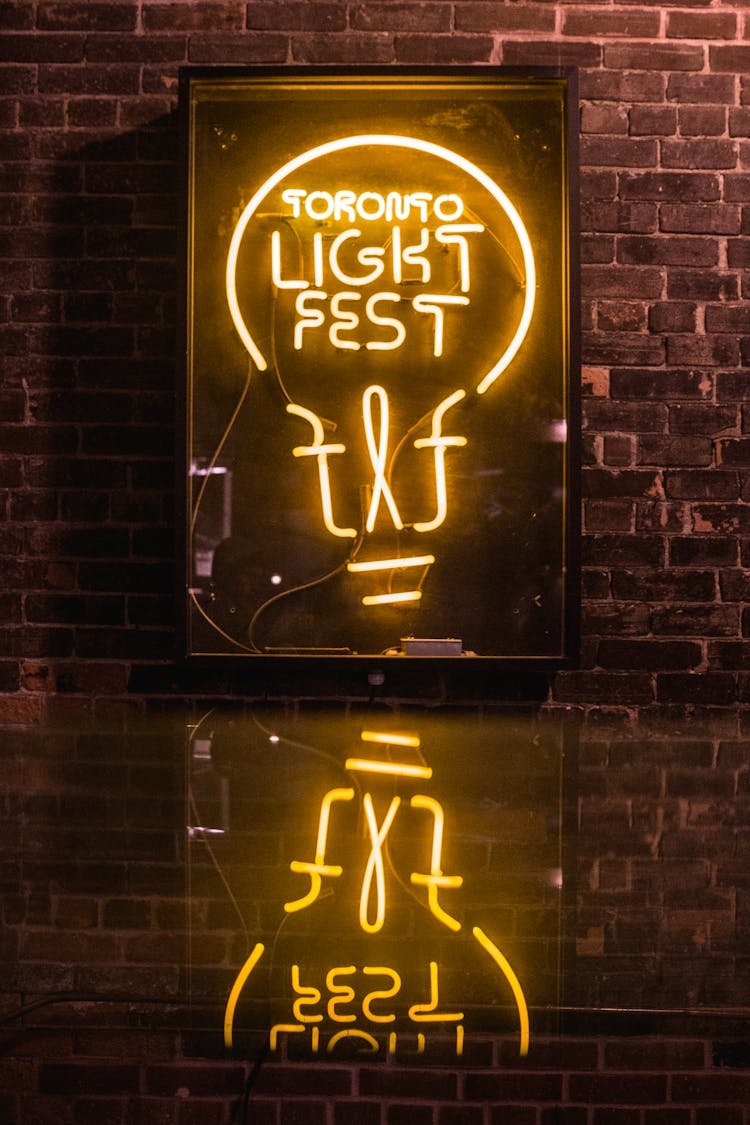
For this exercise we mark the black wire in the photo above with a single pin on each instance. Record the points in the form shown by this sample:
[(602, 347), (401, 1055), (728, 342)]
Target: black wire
[(243, 1105)]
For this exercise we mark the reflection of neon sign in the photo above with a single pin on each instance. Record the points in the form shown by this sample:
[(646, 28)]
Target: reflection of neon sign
[(348, 992), (325, 270)]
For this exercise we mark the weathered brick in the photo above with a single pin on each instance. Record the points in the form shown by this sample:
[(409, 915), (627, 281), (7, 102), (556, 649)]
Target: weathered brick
[(440, 49), (711, 484), (690, 550), (622, 218), (673, 449), (649, 655), (188, 17), (652, 121), (626, 152), (680, 187), (703, 153), (622, 550), (499, 17), (626, 86), (701, 25), (654, 56), (707, 351), (713, 620), (665, 585)]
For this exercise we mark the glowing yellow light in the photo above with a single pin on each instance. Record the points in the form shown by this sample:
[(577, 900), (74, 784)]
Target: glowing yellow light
[(411, 255), (375, 866), (282, 1029), (388, 738), (392, 599), (342, 993), (436, 880), (276, 266), (385, 322), (319, 868), (307, 317), (460, 1039), (347, 320), (429, 1012), (237, 987), (395, 769), (378, 454), (433, 303), (439, 442), (453, 235), (365, 1036), (395, 141), (320, 450), (368, 256), (306, 995), (390, 564), (380, 993), (513, 981)]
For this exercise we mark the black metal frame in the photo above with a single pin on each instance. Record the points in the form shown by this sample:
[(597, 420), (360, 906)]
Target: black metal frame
[(371, 664)]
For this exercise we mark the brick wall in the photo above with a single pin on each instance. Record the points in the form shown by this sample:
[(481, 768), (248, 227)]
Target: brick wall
[(87, 261), (88, 186), (99, 955)]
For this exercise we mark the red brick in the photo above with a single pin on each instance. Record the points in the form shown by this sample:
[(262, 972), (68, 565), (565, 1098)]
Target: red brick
[(702, 285), (674, 450), (702, 551), (729, 1087), (655, 121), (654, 56), (209, 16), (498, 17), (598, 215), (701, 25), (734, 59), (665, 585), (349, 48), (701, 485), (409, 17), (650, 655), (626, 152), (604, 119), (707, 351), (592, 23), (436, 48), (72, 16), (680, 187), (609, 85), (703, 153), (713, 620), (622, 281), (222, 47), (88, 1078), (702, 120), (714, 89), (699, 218), (672, 316)]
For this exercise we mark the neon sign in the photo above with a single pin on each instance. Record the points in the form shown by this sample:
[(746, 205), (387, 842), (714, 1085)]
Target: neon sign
[(380, 357), (370, 1001)]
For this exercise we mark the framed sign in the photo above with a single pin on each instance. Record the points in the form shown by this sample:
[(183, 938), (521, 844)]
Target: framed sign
[(375, 883), (380, 364)]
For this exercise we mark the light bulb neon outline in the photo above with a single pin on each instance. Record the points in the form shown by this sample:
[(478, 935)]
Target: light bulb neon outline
[(395, 141)]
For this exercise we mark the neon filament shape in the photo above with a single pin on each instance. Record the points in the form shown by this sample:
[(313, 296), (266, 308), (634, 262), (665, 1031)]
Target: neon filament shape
[(341, 998), (350, 258), (375, 140)]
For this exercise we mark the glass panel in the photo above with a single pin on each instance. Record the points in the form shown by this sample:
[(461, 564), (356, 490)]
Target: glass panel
[(392, 882), (379, 367)]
